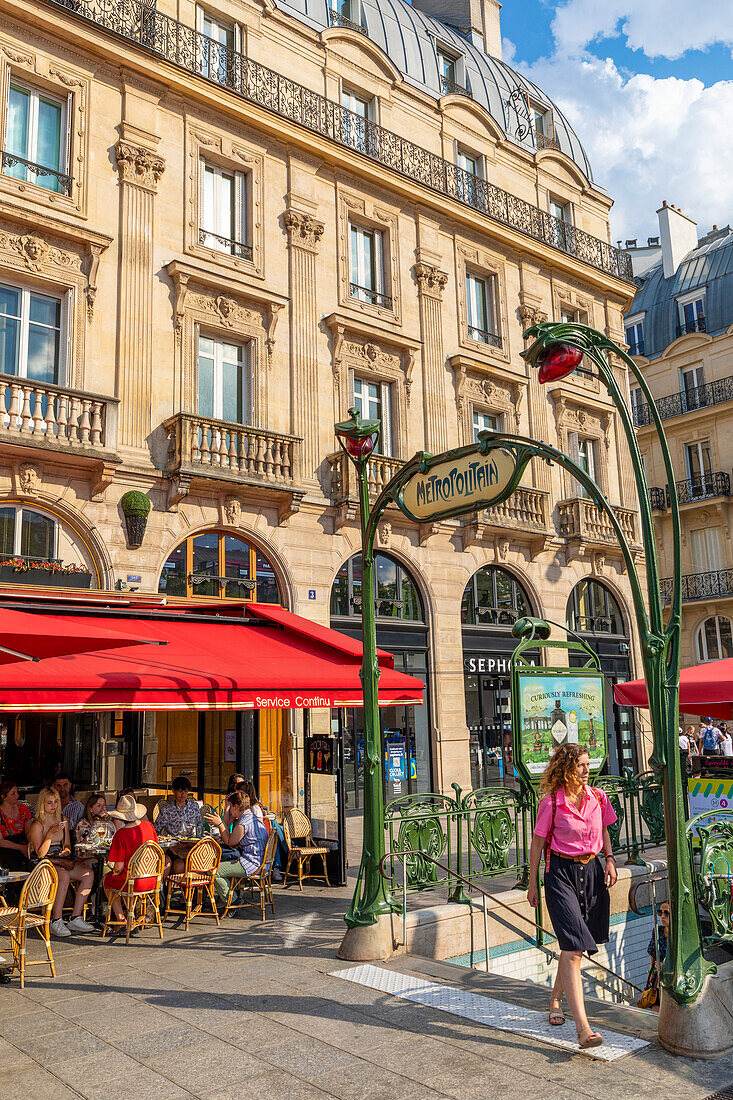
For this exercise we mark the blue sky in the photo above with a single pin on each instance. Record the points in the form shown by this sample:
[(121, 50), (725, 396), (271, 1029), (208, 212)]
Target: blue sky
[(648, 85)]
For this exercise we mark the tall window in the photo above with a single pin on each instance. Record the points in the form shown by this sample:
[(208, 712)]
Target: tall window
[(493, 597), (563, 211), (223, 211), (707, 550), (396, 595), (635, 338), (26, 534), (36, 139), (699, 467), (484, 422), (372, 399), (366, 257), (223, 380), (583, 451), (30, 334), (219, 565), (593, 610), (714, 639), (482, 325), (692, 380), (692, 315), (638, 402), (471, 167), (216, 50), (355, 124)]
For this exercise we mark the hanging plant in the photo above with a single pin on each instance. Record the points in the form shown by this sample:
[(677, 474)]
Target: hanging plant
[(136, 508)]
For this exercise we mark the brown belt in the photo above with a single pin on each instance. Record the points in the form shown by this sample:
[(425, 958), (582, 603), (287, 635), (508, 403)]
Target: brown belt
[(576, 859)]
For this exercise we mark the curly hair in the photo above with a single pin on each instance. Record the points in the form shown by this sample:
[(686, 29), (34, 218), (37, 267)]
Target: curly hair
[(561, 769)]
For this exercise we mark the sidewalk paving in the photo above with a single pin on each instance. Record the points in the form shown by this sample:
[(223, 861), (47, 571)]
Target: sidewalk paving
[(254, 1007)]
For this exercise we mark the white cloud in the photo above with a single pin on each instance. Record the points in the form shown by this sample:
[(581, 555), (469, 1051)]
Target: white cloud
[(659, 28), (647, 139)]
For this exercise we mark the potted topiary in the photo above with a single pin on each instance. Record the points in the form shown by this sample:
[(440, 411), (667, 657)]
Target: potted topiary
[(136, 508)]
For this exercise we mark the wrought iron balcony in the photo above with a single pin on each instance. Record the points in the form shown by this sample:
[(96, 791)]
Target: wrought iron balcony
[(450, 87), (366, 294), (657, 499), (181, 45), (696, 325), (336, 19), (697, 397), (224, 244), (36, 173), (700, 586), (37, 414), (597, 624), (545, 141), (702, 488), (581, 520), (637, 348), (484, 336)]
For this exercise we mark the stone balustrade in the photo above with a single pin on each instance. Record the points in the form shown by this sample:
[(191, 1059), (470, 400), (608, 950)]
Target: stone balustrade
[(581, 520), (38, 414), (344, 484), (526, 510), (206, 447)]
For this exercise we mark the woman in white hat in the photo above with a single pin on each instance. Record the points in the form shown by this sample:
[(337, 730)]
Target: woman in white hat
[(131, 833)]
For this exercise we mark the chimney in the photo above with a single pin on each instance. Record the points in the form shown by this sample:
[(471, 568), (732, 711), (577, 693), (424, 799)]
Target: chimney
[(478, 20), (677, 235)]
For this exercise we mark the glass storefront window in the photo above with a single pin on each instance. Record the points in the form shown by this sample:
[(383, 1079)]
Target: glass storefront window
[(7, 531), (218, 565), (396, 595), (493, 597), (593, 610)]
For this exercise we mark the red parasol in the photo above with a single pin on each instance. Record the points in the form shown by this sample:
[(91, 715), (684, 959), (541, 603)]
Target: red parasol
[(705, 689)]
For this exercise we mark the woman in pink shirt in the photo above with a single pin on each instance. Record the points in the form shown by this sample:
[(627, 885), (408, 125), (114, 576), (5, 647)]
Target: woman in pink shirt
[(572, 827)]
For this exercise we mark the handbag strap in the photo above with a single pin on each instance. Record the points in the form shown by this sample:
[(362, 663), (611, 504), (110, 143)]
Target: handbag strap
[(548, 838)]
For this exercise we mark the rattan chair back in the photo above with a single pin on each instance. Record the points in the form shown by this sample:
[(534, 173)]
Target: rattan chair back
[(39, 889), (147, 861), (204, 857), (268, 858), (296, 826)]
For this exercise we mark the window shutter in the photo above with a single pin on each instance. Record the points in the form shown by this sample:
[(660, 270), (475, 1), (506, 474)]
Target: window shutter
[(380, 280), (201, 223), (240, 217), (237, 37), (386, 440), (573, 486), (66, 136)]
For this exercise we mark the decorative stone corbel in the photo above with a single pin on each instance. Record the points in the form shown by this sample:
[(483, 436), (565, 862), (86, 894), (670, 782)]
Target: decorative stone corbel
[(94, 252), (408, 363), (426, 530), (471, 530), (180, 286), (139, 166), (273, 315), (104, 475), (430, 280), (179, 486), (304, 231)]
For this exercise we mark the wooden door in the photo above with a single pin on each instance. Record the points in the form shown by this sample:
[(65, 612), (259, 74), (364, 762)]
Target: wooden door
[(272, 750), (177, 746)]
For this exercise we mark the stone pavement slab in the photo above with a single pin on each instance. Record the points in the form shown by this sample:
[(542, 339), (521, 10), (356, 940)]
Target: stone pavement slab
[(252, 1008)]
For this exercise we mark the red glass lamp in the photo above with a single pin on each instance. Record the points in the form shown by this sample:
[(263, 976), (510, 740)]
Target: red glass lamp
[(557, 361), (358, 437)]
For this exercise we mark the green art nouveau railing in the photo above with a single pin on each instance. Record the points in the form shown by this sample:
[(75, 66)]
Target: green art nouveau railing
[(486, 833), (710, 836)]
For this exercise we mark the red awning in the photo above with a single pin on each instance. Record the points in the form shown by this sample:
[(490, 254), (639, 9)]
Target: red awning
[(267, 659), (706, 690), (27, 638)]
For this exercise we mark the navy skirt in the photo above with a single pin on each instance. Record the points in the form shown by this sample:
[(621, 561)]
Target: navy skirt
[(578, 903)]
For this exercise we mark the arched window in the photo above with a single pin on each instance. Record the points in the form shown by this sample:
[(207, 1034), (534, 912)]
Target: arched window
[(493, 597), (593, 610), (219, 565), (37, 548), (714, 639), (396, 594)]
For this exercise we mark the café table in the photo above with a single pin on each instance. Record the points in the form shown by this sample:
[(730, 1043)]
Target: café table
[(98, 853)]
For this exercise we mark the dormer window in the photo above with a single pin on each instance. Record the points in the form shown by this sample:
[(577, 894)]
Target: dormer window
[(543, 126), (346, 13), (691, 313), (635, 336), (451, 73)]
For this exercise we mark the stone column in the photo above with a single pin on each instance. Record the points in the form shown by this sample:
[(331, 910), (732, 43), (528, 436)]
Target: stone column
[(304, 235), (431, 284), (140, 170)]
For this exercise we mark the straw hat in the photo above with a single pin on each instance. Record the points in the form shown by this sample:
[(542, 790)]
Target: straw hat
[(128, 809)]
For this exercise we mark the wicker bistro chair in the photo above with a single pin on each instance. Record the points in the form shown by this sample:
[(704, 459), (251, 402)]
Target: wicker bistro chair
[(147, 861), (202, 863), (260, 881), (33, 911), (297, 827)]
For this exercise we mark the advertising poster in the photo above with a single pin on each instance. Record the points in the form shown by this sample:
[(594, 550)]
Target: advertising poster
[(706, 795), (561, 708)]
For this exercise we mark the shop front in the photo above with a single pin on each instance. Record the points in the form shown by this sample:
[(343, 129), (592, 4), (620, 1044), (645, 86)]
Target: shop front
[(492, 601)]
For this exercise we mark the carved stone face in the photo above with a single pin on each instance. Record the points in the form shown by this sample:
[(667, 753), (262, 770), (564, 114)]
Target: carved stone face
[(503, 549), (232, 511), (28, 478)]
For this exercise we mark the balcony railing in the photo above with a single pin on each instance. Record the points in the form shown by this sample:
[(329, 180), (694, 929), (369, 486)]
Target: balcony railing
[(181, 45), (484, 336), (696, 397), (41, 415), (702, 488), (696, 325), (224, 244), (524, 510), (207, 447), (343, 482), (545, 141), (700, 586), (637, 348), (451, 87), (336, 19), (657, 499), (366, 294), (59, 181), (582, 521)]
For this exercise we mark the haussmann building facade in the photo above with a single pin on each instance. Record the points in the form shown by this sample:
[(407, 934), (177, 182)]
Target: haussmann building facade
[(222, 226)]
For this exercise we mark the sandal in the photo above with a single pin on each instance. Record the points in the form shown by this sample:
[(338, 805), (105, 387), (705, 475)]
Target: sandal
[(592, 1038), (556, 1017)]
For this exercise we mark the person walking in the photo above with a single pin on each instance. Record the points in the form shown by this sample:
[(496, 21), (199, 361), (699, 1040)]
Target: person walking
[(572, 828), (726, 741), (711, 738)]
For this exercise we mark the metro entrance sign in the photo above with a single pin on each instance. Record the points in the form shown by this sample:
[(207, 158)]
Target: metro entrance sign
[(459, 482)]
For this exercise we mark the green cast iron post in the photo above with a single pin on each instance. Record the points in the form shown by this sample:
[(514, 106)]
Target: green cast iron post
[(685, 968)]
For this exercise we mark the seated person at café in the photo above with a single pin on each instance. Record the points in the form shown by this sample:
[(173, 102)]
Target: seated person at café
[(176, 818), (96, 825), (71, 807), (133, 832), (257, 808), (15, 818), (49, 838), (242, 833)]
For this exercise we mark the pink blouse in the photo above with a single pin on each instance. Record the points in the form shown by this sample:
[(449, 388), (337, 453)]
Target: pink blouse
[(577, 832)]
